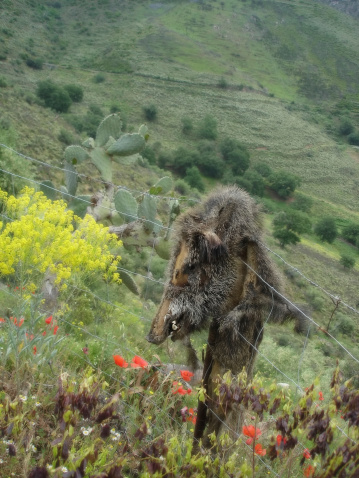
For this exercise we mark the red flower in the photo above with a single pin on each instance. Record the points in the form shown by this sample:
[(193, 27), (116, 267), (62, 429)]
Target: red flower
[(56, 328), (281, 440), (21, 322), (306, 454), (2, 320), (180, 389), (321, 396), (34, 350), (86, 351), (138, 362), (49, 320), (258, 450), (309, 471), (251, 432), (186, 375), (120, 361), (44, 333)]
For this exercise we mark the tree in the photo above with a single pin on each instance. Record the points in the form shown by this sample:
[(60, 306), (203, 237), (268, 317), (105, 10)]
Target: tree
[(187, 125), (353, 138), (75, 92), (150, 112), (263, 169), (287, 226), (183, 159), (326, 229), (347, 261), (284, 183), (302, 203), (207, 128), (193, 178), (350, 232), (256, 182), (346, 127), (54, 96)]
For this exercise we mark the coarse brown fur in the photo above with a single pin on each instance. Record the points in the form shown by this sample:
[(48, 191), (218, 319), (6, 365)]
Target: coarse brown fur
[(220, 271)]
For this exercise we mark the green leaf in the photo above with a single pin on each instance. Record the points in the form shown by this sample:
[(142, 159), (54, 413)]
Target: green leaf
[(129, 282), (127, 145), (165, 183), (48, 189), (110, 126), (155, 190), (147, 210), (75, 154), (126, 205), (71, 179), (80, 204), (103, 163)]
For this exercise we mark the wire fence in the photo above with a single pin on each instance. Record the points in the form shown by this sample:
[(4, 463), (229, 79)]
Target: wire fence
[(117, 306)]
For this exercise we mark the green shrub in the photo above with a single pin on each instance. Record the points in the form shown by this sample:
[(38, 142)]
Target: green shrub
[(35, 63), (315, 300), (287, 225), (75, 92), (283, 341), (182, 188), (207, 128), (53, 96), (149, 154), (346, 127), (326, 229), (263, 169), (99, 78), (183, 159), (283, 183), (222, 83), (256, 181), (3, 83), (187, 125), (193, 178), (347, 261), (302, 202), (66, 137), (211, 165), (353, 138), (150, 112), (350, 232), (345, 325)]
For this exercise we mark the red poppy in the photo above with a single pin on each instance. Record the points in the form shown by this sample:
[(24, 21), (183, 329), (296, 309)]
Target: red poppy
[(138, 362), (34, 350), (306, 454), (258, 450), (179, 389), (120, 361), (321, 396), (186, 375), (309, 471), (56, 328), (49, 320), (44, 333), (2, 320), (252, 432), (21, 322), (281, 440)]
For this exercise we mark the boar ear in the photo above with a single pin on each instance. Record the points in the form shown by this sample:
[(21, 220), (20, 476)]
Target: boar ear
[(211, 248)]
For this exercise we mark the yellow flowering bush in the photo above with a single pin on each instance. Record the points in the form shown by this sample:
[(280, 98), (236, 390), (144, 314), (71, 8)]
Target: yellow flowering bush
[(41, 235)]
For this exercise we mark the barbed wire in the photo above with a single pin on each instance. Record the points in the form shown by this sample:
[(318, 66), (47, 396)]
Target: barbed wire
[(331, 295)]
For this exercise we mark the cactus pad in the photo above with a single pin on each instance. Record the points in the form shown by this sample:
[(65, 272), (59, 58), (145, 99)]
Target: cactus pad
[(48, 189), (127, 145), (165, 183), (128, 281), (71, 179), (103, 163), (110, 126), (147, 210), (75, 154), (126, 205), (79, 205)]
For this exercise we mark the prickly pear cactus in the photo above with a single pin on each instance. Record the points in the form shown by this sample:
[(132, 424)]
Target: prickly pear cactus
[(134, 217)]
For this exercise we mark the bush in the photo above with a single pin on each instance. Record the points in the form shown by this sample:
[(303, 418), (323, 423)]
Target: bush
[(3, 83), (353, 139), (193, 178), (346, 127), (99, 78), (207, 128), (347, 261), (350, 232), (66, 137), (302, 203), (35, 63), (345, 325), (150, 112), (182, 188), (287, 226), (183, 159), (211, 165), (263, 169), (222, 83), (326, 229), (75, 92), (187, 125), (149, 154), (53, 96), (283, 183), (256, 181), (238, 159)]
